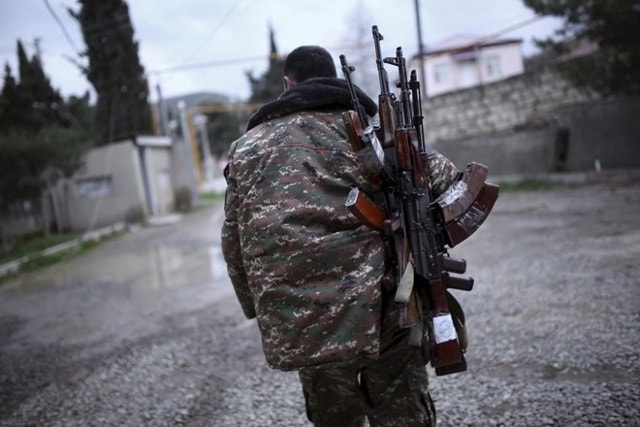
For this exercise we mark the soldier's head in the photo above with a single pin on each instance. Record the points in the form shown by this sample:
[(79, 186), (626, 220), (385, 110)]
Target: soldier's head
[(305, 62)]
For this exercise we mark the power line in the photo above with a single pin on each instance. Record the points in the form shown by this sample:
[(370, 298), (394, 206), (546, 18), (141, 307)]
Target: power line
[(230, 61), (480, 40), (225, 16), (208, 64), (61, 25), (509, 29), (234, 8)]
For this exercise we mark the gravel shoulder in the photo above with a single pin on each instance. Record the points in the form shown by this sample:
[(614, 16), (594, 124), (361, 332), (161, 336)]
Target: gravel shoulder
[(554, 322)]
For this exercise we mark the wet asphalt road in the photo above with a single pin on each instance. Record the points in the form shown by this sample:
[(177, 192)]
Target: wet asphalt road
[(121, 289), (144, 330)]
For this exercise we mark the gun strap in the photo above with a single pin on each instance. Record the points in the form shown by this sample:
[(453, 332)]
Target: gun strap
[(416, 335), (405, 287)]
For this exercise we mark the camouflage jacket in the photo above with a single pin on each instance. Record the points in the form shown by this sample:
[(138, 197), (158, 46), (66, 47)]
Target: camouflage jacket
[(299, 261)]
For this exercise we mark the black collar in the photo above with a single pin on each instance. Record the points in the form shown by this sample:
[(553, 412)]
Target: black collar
[(313, 94)]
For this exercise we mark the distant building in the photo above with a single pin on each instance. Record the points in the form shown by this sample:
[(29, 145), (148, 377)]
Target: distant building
[(195, 99), (127, 181), (169, 111), (461, 62)]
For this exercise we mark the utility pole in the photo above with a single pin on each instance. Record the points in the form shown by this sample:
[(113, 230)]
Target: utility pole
[(162, 112), (200, 120), (188, 154), (420, 49)]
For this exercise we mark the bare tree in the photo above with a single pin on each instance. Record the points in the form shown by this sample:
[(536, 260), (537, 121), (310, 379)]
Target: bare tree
[(359, 49)]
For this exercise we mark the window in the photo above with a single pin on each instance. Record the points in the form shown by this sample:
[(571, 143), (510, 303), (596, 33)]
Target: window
[(94, 188), (468, 73), (441, 73), (493, 66)]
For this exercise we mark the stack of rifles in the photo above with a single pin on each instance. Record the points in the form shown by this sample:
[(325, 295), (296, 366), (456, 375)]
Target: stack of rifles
[(416, 227)]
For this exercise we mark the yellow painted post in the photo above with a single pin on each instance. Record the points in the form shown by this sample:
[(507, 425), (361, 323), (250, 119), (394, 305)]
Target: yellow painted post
[(194, 146)]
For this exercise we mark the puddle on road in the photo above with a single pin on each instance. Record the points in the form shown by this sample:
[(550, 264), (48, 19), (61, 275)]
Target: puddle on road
[(176, 266), (116, 291), (163, 265)]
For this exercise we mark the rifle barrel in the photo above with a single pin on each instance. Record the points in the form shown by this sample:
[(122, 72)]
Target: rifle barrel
[(382, 73)]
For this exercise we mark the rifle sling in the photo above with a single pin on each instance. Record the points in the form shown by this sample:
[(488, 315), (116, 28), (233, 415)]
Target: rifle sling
[(405, 287)]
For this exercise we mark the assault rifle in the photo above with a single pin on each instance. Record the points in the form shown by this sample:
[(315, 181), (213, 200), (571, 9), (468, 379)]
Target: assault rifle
[(414, 226), (386, 99)]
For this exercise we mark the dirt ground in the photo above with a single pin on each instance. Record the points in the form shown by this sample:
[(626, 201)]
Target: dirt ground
[(145, 330)]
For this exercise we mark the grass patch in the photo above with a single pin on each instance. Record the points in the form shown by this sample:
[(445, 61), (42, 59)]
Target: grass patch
[(37, 260), (210, 196), (527, 184), (35, 246)]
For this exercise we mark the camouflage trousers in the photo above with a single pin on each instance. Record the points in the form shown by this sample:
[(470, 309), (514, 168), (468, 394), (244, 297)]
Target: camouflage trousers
[(389, 391)]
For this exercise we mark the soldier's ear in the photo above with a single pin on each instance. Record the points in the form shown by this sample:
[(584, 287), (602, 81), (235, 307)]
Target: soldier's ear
[(288, 82)]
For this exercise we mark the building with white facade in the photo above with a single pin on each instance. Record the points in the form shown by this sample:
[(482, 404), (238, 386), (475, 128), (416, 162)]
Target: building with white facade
[(461, 62)]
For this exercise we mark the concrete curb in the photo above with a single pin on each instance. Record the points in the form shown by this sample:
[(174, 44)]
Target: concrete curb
[(15, 265)]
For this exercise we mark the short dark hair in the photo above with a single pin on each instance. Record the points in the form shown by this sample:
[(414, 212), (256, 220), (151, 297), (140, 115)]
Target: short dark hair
[(305, 62)]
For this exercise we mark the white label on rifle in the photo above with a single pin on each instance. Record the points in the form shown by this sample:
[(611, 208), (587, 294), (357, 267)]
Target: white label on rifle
[(352, 197), (443, 328), (375, 143), (454, 192)]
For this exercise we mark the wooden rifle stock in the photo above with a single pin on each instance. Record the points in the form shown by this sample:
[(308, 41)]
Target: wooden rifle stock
[(365, 210), (387, 119), (354, 129)]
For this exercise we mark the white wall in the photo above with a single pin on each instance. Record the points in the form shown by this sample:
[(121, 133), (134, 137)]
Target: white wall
[(447, 72), (159, 171), (511, 61), (118, 189)]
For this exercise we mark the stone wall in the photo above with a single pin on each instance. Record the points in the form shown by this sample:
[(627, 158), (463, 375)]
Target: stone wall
[(604, 130), (528, 98), (506, 152), (534, 123)]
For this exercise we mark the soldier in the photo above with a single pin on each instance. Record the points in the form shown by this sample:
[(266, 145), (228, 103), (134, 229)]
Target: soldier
[(306, 268)]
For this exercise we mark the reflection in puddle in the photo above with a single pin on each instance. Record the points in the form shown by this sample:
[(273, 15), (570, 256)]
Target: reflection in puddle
[(121, 295), (218, 265), (122, 289), (164, 265), (175, 265)]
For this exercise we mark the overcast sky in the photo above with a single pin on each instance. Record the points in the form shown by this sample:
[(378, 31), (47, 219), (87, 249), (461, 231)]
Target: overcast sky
[(216, 41)]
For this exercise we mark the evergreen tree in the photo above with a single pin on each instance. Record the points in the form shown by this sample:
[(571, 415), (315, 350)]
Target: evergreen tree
[(614, 25), (33, 80), (41, 139), (23, 159), (8, 97), (27, 103), (114, 69), (268, 86), (222, 129), (79, 114)]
